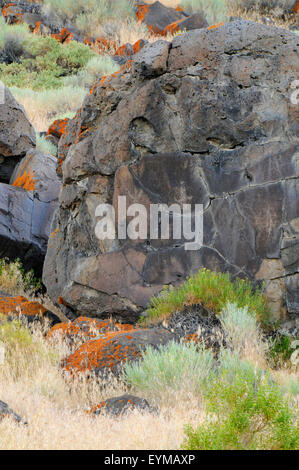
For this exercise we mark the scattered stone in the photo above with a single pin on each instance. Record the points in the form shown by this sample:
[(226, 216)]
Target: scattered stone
[(123, 405), (6, 412)]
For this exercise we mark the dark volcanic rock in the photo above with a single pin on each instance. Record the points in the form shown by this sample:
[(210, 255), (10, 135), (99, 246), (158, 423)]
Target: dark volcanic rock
[(207, 120), (6, 412), (17, 135), (110, 351), (27, 208), (120, 406)]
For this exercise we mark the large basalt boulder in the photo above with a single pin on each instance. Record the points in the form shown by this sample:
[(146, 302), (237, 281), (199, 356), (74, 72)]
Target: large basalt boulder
[(107, 354), (207, 119), (27, 207), (17, 135)]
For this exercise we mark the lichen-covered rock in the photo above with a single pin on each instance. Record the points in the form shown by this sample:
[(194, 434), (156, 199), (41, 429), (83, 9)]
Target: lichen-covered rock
[(157, 16), (32, 311), (17, 135), (120, 406), (27, 207), (207, 119), (84, 329), (6, 412), (108, 353)]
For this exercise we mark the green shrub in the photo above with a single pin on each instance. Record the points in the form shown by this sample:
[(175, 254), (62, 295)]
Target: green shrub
[(94, 69), (214, 291), (45, 146), (242, 332), (246, 410), (281, 350), (172, 368), (13, 36), (14, 279), (44, 63)]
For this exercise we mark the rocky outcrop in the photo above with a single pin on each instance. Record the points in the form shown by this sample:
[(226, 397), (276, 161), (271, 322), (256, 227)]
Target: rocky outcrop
[(123, 405), (27, 206), (17, 135), (207, 119)]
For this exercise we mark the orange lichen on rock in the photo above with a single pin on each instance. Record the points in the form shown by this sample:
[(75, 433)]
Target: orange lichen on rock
[(20, 306), (64, 36), (141, 11), (53, 234), (123, 51), (137, 46), (110, 351), (37, 28), (104, 353), (215, 26), (57, 128), (85, 328), (124, 68), (25, 180), (296, 7), (172, 28), (102, 45), (82, 133), (9, 12), (178, 8)]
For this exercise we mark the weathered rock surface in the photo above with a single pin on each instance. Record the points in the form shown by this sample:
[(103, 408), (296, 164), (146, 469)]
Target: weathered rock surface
[(6, 412), (108, 353), (120, 406), (26, 209), (17, 135), (207, 120), (157, 16)]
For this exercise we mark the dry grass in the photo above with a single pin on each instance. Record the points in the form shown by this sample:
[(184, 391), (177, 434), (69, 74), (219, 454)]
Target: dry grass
[(32, 383), (57, 414)]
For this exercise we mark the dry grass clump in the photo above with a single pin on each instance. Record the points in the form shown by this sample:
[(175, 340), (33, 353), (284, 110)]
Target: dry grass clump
[(55, 407), (44, 107)]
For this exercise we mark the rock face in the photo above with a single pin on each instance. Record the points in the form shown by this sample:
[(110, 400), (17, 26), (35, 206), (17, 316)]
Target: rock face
[(27, 206), (207, 119), (17, 135)]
